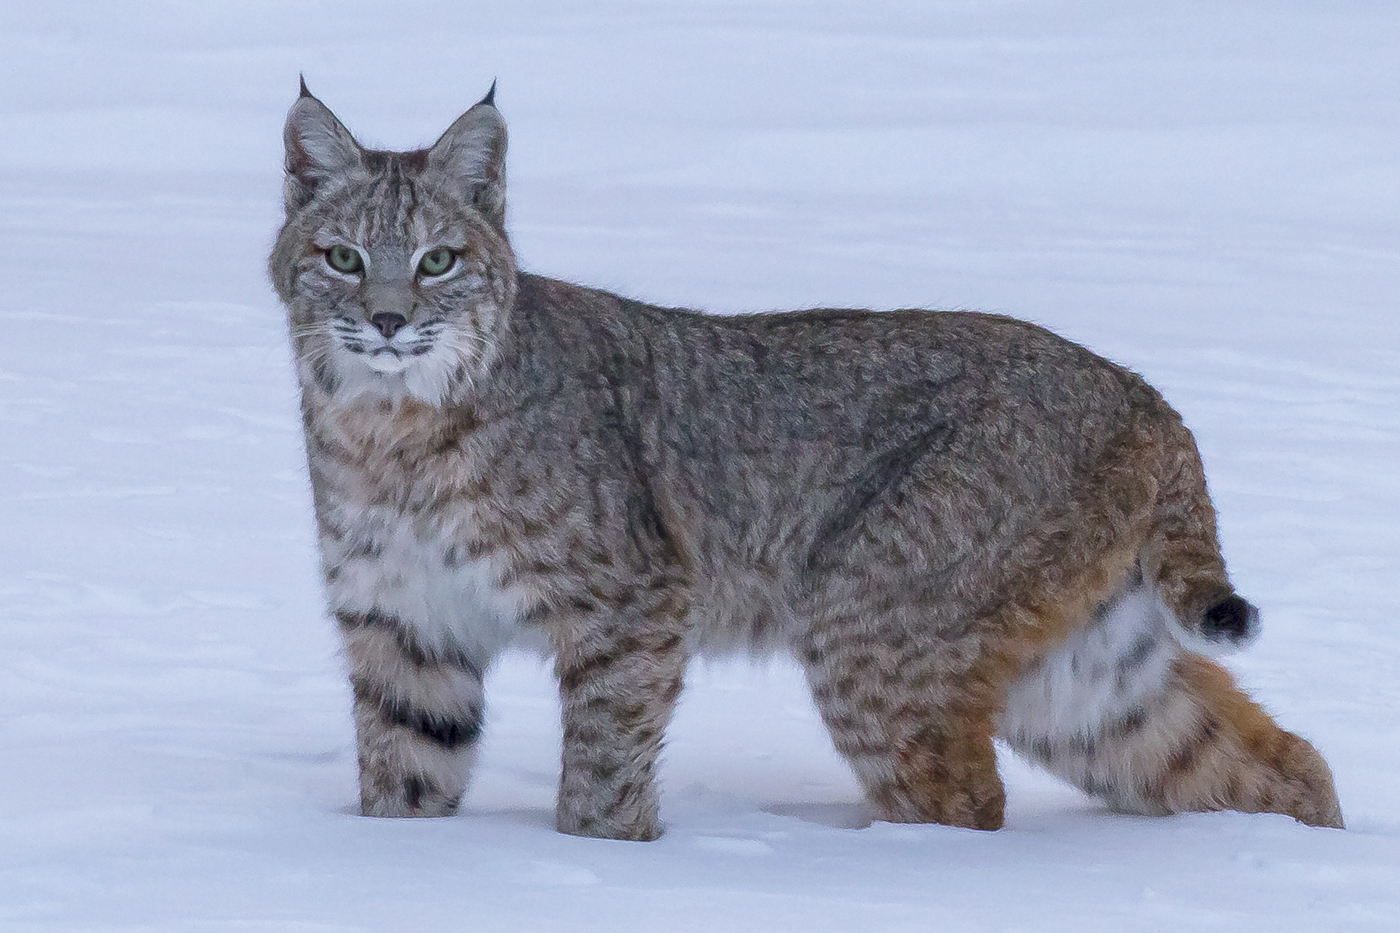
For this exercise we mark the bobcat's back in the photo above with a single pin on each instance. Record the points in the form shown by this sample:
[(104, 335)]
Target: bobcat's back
[(765, 447)]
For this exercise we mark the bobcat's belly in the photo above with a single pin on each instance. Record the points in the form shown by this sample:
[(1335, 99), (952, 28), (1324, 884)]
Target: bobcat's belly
[(1101, 675), (413, 569)]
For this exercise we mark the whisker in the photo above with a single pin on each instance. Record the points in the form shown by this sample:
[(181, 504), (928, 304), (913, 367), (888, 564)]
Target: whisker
[(308, 330)]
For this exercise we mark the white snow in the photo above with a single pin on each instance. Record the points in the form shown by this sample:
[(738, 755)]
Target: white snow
[(1206, 191)]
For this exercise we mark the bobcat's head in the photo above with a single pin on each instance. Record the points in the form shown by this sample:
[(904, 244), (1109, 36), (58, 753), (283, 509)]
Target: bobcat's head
[(394, 266)]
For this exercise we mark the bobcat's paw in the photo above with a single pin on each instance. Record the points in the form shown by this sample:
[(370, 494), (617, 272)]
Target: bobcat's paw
[(413, 796), (642, 829)]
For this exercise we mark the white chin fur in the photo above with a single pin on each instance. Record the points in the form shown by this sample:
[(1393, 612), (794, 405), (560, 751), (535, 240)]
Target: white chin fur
[(386, 363), (427, 378)]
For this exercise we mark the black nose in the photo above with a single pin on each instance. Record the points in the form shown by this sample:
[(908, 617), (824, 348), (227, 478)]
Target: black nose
[(388, 323)]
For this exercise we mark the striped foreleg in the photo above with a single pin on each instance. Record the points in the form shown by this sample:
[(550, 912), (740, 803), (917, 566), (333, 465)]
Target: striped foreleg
[(417, 718)]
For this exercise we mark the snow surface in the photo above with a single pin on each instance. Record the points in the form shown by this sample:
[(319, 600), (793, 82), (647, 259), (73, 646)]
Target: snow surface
[(1205, 191)]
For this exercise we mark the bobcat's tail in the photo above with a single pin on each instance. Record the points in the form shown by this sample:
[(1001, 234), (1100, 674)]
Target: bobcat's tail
[(1180, 557)]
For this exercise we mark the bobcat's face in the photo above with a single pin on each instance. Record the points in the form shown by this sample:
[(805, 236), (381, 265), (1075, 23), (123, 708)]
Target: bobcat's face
[(399, 290), (394, 266)]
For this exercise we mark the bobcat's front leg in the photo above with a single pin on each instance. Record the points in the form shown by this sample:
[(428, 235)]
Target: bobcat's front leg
[(417, 718), (620, 672)]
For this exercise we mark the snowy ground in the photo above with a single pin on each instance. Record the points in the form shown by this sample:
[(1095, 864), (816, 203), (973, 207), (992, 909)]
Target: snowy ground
[(1206, 191)]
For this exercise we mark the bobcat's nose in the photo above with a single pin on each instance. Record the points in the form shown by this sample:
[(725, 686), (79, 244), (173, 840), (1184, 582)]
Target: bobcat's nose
[(388, 323)]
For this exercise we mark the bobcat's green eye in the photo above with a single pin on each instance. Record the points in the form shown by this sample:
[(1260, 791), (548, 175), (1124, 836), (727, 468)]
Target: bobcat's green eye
[(436, 261), (344, 259)]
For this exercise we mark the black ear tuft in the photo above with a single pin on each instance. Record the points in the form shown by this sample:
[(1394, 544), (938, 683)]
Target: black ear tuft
[(304, 91), (490, 98)]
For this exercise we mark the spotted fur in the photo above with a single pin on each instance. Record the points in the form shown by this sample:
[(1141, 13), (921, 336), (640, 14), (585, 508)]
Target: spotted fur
[(959, 524)]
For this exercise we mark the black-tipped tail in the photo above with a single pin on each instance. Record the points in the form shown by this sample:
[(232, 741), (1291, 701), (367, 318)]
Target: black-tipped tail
[(1232, 620)]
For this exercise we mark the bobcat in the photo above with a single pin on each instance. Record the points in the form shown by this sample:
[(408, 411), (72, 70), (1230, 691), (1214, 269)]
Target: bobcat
[(960, 525)]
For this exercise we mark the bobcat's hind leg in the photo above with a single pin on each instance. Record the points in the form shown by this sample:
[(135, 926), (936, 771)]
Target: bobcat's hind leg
[(1242, 759), (417, 718), (1121, 711), (914, 723)]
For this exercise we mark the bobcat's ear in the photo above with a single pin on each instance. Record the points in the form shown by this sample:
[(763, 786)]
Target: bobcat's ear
[(473, 153), (319, 148)]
